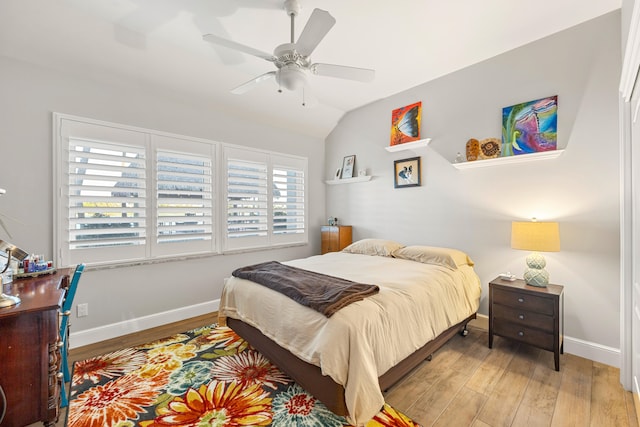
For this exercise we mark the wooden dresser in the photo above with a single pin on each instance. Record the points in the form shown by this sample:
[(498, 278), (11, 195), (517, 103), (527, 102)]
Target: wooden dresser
[(29, 352), (335, 237), (527, 314)]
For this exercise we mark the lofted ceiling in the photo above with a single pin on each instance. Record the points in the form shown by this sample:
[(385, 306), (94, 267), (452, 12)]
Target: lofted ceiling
[(157, 44)]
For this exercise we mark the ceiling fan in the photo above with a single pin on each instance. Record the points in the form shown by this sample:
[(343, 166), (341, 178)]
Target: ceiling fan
[(292, 59)]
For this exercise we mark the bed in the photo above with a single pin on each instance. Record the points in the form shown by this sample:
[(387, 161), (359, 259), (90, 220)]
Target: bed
[(426, 295)]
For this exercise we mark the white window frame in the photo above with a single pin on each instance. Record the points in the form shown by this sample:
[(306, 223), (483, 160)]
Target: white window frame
[(65, 126)]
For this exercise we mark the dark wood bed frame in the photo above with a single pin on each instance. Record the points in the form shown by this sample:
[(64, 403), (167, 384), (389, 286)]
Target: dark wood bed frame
[(322, 387)]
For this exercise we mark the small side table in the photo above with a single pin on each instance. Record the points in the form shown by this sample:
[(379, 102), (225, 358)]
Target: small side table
[(527, 314), (335, 237)]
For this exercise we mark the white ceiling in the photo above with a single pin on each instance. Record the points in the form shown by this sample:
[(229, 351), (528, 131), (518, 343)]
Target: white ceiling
[(158, 44)]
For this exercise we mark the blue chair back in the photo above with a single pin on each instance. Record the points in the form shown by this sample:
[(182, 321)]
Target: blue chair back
[(73, 286), (64, 326), (68, 298)]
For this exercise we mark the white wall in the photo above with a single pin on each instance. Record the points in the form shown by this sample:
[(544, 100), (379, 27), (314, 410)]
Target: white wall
[(130, 297), (473, 209)]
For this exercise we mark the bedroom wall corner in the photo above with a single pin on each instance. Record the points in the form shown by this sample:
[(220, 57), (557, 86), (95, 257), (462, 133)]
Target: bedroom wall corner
[(472, 209)]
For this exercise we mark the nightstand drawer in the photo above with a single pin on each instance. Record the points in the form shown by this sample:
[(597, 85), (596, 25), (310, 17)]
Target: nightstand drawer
[(524, 334), (522, 316), (523, 301)]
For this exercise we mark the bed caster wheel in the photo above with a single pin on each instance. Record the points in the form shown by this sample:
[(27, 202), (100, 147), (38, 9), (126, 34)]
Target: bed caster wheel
[(464, 332), (429, 357)]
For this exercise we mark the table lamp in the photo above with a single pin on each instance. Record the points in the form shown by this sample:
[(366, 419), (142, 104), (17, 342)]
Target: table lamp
[(536, 237)]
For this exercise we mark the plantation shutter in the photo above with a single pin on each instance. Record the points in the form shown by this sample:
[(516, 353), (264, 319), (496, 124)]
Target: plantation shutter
[(184, 196), (288, 199), (104, 201), (129, 195), (247, 198), (107, 194)]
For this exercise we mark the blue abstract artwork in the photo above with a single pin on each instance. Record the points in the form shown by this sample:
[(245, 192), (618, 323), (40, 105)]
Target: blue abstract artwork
[(530, 127)]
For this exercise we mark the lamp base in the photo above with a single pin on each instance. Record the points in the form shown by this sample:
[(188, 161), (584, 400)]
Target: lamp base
[(535, 274), (8, 300), (536, 277)]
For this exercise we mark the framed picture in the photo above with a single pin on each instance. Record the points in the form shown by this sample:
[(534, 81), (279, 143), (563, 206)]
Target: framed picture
[(406, 173), (530, 127), (347, 166), (405, 124)]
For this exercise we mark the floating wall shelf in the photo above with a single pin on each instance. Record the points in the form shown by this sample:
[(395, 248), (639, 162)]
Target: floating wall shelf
[(521, 158), (408, 145), (349, 180)]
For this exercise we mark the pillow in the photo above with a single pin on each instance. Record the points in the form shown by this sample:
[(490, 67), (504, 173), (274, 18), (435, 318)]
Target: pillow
[(379, 247), (446, 257)]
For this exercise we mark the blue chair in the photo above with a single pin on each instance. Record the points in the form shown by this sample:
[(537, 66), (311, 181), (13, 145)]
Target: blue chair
[(64, 332)]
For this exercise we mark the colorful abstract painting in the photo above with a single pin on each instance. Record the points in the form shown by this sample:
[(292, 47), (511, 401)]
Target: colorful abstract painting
[(530, 127), (405, 124)]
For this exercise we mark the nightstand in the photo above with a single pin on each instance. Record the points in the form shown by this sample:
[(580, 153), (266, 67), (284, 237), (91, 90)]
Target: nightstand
[(335, 237), (527, 314)]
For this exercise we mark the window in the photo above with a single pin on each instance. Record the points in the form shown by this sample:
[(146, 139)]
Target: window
[(265, 199), (184, 204), (129, 194), (107, 194), (288, 201), (183, 197)]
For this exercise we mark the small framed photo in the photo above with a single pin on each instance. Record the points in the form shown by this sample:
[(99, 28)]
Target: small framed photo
[(347, 166), (406, 173)]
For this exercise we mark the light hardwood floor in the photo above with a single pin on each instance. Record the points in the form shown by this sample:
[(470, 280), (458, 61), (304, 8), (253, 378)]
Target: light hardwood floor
[(468, 384)]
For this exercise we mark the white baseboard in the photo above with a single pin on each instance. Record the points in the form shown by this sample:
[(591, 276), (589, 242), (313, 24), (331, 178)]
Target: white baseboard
[(114, 330), (589, 350)]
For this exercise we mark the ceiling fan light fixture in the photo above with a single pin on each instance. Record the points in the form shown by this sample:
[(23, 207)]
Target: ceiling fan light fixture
[(291, 77), (292, 59)]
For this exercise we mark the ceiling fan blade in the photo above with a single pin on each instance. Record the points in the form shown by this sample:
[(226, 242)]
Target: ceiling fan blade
[(343, 72), (317, 27), (245, 87), (212, 38)]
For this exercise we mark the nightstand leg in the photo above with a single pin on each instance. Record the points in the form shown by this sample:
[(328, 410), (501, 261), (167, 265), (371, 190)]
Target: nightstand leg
[(556, 359)]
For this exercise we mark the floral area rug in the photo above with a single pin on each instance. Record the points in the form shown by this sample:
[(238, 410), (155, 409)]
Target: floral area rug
[(204, 377)]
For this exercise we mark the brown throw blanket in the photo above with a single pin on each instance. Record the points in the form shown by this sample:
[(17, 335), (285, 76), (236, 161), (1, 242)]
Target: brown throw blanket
[(325, 294)]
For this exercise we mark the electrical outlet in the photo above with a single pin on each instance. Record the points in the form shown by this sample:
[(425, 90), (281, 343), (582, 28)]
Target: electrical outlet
[(83, 310)]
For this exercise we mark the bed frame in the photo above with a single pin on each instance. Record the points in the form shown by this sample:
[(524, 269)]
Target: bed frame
[(322, 387)]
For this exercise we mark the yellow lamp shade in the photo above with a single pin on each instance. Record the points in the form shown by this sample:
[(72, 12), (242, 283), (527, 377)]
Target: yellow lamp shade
[(535, 236)]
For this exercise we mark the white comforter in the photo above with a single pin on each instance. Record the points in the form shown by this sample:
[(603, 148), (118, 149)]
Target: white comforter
[(362, 341)]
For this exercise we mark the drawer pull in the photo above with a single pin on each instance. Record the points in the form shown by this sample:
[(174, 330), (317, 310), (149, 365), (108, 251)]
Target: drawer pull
[(521, 316), (520, 333), (520, 299)]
